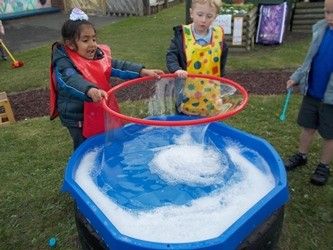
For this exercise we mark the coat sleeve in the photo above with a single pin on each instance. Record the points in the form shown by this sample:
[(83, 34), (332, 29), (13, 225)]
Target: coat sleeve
[(173, 56), (125, 70), (224, 57), (69, 81)]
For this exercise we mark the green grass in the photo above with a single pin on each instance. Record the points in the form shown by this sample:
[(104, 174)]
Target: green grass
[(33, 156), (309, 212), (34, 152), (145, 40), (285, 56)]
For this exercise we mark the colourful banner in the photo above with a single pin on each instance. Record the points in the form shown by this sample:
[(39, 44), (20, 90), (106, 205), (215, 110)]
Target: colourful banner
[(14, 6)]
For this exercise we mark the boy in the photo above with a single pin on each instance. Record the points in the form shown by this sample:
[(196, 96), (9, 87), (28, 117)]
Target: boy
[(315, 77), (198, 48)]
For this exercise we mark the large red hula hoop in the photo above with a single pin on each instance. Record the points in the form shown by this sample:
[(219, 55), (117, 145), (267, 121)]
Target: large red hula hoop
[(189, 122)]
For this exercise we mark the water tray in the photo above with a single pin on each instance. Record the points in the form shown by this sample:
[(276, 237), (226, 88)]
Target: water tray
[(231, 238)]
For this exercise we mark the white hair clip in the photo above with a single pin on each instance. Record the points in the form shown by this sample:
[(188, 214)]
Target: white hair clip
[(78, 14)]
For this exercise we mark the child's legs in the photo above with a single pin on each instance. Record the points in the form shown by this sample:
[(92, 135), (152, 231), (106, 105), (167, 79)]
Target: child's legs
[(305, 140), (308, 119), (325, 129), (327, 152), (77, 136), (1, 51)]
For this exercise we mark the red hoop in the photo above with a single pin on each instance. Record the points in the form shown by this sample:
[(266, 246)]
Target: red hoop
[(182, 122)]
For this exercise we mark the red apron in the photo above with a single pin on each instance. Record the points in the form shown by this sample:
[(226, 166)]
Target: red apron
[(53, 95), (97, 72), (53, 91)]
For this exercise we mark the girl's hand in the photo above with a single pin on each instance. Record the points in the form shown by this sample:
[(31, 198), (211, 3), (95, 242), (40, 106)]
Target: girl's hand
[(290, 83), (181, 73), (97, 95), (151, 72)]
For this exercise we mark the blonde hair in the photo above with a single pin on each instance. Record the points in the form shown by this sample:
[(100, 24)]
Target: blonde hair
[(213, 3)]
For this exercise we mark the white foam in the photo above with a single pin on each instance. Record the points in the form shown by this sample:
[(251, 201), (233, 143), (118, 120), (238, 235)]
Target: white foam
[(188, 162), (193, 165), (203, 219)]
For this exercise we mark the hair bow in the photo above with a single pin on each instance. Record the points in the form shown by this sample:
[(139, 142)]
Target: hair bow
[(78, 14)]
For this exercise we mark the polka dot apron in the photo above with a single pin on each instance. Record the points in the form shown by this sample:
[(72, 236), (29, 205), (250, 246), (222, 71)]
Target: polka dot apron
[(202, 96)]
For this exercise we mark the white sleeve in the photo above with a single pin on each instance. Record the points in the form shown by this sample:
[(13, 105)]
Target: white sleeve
[(2, 29)]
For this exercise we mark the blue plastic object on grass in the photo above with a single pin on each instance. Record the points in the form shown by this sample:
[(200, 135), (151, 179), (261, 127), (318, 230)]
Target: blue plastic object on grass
[(52, 242), (229, 239)]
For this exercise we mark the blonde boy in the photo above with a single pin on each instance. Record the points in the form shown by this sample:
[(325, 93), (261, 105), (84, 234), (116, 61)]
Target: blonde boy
[(198, 48)]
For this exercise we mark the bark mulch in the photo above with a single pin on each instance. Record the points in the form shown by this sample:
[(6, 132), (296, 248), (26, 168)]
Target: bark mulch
[(35, 103)]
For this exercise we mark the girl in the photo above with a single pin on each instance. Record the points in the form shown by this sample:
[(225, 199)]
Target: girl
[(80, 77)]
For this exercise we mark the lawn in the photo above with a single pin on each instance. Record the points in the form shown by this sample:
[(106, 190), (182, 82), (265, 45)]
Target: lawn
[(147, 49), (34, 152)]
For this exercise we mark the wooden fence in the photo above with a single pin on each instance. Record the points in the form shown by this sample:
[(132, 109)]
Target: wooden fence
[(119, 7), (248, 32), (126, 7), (91, 7), (156, 6), (305, 15)]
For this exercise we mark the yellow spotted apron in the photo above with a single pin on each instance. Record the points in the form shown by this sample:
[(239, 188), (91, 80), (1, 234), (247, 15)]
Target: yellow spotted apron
[(202, 96)]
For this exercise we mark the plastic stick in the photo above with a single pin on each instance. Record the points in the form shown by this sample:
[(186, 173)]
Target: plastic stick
[(15, 63), (283, 114), (8, 52)]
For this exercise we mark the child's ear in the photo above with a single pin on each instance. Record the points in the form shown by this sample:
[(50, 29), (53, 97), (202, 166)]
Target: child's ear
[(70, 45)]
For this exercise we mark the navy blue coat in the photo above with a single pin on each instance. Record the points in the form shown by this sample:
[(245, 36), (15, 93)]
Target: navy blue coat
[(176, 59), (72, 88)]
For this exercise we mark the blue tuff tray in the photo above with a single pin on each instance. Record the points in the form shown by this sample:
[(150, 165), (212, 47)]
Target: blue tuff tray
[(229, 239)]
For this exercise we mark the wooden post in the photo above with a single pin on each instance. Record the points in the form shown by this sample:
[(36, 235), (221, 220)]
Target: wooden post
[(166, 4), (6, 112), (187, 11), (146, 8)]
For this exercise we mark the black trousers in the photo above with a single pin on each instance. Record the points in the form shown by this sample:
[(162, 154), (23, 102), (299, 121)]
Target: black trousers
[(77, 136)]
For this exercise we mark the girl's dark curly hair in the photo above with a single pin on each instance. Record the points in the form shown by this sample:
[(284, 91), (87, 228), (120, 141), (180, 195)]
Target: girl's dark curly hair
[(71, 30)]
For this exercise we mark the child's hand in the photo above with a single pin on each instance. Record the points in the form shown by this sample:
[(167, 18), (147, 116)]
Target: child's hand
[(181, 73), (151, 72), (97, 95), (290, 83)]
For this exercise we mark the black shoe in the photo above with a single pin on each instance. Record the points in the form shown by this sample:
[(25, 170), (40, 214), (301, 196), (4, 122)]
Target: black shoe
[(4, 58), (320, 175), (295, 161)]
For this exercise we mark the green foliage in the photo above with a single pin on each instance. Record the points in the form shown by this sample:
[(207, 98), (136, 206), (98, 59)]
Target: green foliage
[(239, 9)]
